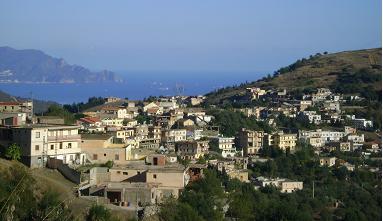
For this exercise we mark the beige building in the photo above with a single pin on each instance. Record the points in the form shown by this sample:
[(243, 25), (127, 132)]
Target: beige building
[(17, 107), (255, 93), (286, 142), (327, 161), (140, 184), (174, 135), (285, 185), (191, 150), (250, 141), (40, 142), (112, 122)]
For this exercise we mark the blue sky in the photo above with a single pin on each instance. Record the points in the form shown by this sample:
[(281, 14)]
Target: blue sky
[(195, 35)]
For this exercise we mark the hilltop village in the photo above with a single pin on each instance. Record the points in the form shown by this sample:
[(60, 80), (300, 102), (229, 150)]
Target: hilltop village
[(133, 155)]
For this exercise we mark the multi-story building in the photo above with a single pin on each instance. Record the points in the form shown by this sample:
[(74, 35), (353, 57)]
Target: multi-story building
[(362, 123), (286, 142), (311, 116), (250, 141), (173, 135), (226, 145), (17, 107), (326, 136), (118, 112), (138, 184), (191, 150), (112, 122), (40, 142)]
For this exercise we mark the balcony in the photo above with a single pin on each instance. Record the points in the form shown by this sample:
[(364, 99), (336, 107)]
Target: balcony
[(65, 138)]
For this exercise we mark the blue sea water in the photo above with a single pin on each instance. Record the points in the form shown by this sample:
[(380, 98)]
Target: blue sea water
[(138, 85)]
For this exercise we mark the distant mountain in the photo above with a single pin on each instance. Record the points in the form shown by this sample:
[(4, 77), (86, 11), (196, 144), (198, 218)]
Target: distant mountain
[(34, 66), (348, 72)]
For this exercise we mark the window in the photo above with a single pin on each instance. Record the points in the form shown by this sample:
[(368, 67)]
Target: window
[(94, 156), (37, 147), (118, 172), (69, 145), (37, 134), (117, 157), (125, 173), (104, 154), (155, 176), (52, 146), (61, 145)]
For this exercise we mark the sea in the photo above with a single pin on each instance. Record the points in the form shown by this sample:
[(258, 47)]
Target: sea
[(137, 86)]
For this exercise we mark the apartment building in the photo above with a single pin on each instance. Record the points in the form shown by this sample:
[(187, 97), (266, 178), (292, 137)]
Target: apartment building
[(325, 136), (173, 135), (17, 107), (191, 150), (226, 145), (311, 116), (112, 122), (286, 142), (40, 142), (250, 141)]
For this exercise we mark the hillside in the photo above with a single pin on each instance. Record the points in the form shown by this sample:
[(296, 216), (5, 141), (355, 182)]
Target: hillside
[(34, 66), (347, 72)]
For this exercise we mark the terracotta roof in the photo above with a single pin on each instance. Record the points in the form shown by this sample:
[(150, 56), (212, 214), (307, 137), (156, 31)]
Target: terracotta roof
[(10, 103), (90, 119), (152, 110)]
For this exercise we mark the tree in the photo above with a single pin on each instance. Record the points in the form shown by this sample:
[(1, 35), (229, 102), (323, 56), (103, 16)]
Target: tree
[(13, 152)]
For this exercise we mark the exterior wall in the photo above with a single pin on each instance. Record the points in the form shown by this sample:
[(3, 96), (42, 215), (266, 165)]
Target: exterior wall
[(167, 178), (291, 186), (242, 176), (192, 149), (38, 143), (103, 155), (121, 174), (250, 141), (327, 161), (285, 141)]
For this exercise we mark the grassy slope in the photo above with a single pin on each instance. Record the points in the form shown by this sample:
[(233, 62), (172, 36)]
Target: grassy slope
[(316, 72), (52, 179)]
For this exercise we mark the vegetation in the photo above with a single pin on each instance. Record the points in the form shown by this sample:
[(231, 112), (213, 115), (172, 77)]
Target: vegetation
[(100, 213), (80, 107), (143, 119), (230, 122), (327, 70), (339, 194), (59, 111), (22, 199), (202, 200), (13, 152)]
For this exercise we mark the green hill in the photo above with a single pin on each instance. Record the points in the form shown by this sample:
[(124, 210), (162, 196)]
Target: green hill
[(348, 72)]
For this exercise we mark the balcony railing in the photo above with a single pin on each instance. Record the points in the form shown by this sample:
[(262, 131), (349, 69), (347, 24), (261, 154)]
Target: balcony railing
[(64, 137)]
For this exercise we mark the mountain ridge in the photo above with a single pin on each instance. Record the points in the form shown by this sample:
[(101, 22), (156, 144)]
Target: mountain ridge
[(35, 66)]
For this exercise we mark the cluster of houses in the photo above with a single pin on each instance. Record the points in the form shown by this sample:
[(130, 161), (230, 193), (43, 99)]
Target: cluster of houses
[(158, 147)]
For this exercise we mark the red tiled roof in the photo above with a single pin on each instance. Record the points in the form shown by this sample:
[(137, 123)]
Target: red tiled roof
[(10, 103), (91, 120)]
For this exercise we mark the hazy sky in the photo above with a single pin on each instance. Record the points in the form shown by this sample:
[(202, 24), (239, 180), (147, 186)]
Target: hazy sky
[(215, 35)]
